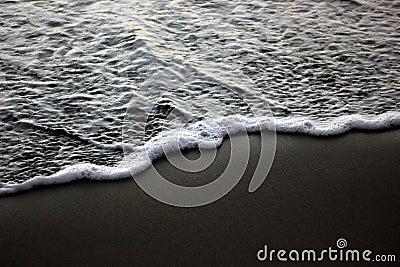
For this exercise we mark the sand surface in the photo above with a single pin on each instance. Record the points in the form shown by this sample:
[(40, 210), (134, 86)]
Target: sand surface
[(319, 190)]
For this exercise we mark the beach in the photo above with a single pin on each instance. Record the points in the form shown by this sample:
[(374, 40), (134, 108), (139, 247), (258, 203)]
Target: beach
[(319, 189), (94, 94)]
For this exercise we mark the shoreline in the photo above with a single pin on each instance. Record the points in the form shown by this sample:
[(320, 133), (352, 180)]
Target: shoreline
[(188, 151), (319, 189)]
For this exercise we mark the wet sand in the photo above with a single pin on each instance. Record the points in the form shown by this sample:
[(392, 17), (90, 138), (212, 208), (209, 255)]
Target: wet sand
[(319, 190)]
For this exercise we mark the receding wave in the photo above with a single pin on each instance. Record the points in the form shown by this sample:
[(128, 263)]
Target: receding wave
[(140, 162), (70, 69)]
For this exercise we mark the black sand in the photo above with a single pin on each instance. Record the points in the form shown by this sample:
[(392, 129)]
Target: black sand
[(319, 190)]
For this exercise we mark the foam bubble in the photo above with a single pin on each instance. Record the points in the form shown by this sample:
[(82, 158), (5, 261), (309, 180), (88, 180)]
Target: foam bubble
[(337, 125), (156, 147)]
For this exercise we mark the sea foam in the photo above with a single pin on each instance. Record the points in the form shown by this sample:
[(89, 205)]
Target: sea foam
[(157, 147), (70, 71)]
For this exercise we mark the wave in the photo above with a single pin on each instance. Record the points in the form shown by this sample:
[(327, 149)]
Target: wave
[(323, 68), (155, 149), (338, 125)]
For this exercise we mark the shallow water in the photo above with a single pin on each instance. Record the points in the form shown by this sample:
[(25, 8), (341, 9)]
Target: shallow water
[(70, 69)]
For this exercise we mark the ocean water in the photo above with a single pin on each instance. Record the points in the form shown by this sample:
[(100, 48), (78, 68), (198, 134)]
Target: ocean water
[(70, 71)]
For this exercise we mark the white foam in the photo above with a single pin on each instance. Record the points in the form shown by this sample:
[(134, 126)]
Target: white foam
[(338, 125), (69, 174), (191, 137)]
